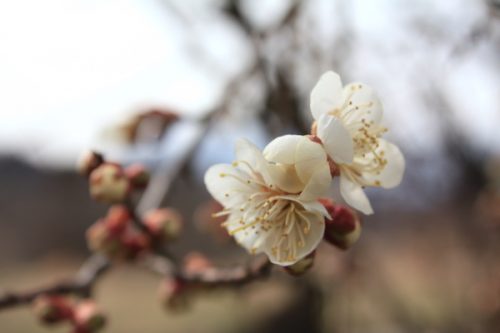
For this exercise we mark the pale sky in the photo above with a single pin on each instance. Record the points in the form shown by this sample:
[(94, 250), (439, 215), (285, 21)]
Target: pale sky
[(69, 69)]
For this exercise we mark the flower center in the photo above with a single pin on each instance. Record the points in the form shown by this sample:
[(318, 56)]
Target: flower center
[(365, 133)]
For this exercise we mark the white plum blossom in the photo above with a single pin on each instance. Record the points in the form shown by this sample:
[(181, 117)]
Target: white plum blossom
[(271, 197), (348, 125)]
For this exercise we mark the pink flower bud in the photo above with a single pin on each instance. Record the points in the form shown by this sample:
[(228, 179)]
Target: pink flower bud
[(134, 243), (52, 309), (109, 184), (88, 162), (101, 239), (344, 227), (164, 223), (138, 175), (117, 219), (195, 262), (301, 266), (88, 317)]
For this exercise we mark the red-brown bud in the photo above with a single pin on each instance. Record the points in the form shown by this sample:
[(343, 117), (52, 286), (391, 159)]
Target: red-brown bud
[(89, 161), (138, 176), (117, 219), (164, 223), (101, 239), (135, 243), (344, 227), (109, 184), (301, 266), (88, 317), (52, 309)]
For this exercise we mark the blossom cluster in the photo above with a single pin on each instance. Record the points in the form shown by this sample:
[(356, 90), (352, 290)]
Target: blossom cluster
[(274, 199), (84, 316)]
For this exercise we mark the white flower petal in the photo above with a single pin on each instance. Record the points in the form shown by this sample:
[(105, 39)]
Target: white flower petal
[(248, 152), (313, 206), (251, 239), (336, 139), (392, 173), (326, 94), (354, 195), (365, 103), (284, 177), (298, 159), (311, 241), (282, 149), (316, 206), (226, 189), (309, 158), (318, 184)]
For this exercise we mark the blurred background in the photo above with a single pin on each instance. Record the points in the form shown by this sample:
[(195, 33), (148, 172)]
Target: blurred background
[(75, 75)]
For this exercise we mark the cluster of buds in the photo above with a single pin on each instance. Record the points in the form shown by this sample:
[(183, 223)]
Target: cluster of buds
[(109, 182), (115, 237), (164, 224), (84, 316)]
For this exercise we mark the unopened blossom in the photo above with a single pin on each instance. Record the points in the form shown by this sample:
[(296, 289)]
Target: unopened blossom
[(270, 198), (348, 125)]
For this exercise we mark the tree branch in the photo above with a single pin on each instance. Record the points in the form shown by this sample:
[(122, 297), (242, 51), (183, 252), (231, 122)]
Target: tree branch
[(81, 285), (213, 277)]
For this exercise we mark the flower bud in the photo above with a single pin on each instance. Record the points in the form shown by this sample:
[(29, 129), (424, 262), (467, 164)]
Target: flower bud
[(117, 219), (344, 227), (173, 294), (109, 184), (101, 239), (134, 244), (164, 223), (195, 262), (88, 317), (52, 309), (138, 175), (301, 266), (89, 161)]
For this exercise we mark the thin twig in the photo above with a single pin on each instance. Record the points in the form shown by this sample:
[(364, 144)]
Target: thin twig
[(213, 277), (81, 285)]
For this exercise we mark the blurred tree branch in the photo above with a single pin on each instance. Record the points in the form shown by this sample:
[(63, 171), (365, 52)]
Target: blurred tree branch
[(82, 284)]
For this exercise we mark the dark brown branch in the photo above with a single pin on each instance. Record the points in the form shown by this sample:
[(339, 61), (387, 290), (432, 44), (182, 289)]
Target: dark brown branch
[(81, 285), (213, 277)]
